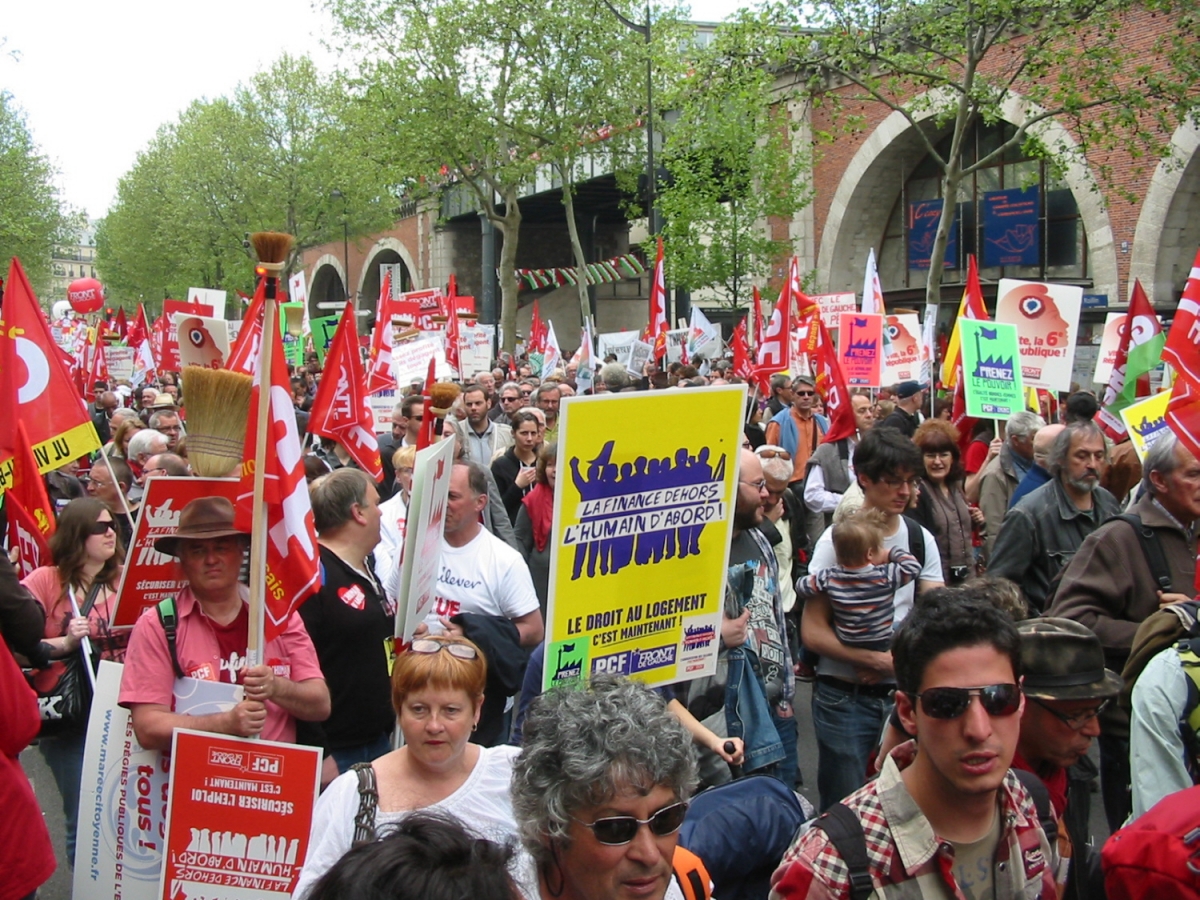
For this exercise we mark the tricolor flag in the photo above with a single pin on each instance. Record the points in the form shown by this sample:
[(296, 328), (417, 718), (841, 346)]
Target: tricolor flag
[(340, 410), (702, 333), (970, 307), (1140, 350), (552, 356)]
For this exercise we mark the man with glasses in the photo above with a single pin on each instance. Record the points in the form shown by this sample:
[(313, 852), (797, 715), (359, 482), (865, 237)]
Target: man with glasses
[(851, 698), (830, 471), (166, 422), (510, 401), (950, 820), (599, 793), (108, 483), (1066, 687), (798, 429)]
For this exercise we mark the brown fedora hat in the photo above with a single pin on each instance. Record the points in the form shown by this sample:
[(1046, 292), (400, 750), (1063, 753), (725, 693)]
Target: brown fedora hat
[(203, 518), (1063, 660)]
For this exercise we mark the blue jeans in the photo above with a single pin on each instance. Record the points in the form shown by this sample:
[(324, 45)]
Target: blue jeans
[(848, 726), (348, 756), (787, 769), (64, 758)]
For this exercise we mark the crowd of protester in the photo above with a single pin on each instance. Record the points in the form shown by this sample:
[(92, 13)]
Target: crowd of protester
[(961, 605)]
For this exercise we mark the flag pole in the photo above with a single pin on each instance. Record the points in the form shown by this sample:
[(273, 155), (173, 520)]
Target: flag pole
[(272, 249)]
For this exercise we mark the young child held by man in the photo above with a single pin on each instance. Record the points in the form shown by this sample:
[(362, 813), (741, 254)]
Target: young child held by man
[(861, 585)]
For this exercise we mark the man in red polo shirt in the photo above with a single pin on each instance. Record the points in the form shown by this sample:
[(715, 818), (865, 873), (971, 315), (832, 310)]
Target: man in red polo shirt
[(211, 640)]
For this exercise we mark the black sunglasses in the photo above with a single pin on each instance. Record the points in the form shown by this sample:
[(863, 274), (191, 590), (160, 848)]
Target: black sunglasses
[(98, 528), (952, 702), (617, 830)]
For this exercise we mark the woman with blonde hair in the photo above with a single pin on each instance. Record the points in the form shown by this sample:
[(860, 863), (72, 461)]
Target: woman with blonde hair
[(437, 691)]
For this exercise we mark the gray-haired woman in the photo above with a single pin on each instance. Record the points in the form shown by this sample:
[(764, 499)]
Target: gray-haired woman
[(599, 793)]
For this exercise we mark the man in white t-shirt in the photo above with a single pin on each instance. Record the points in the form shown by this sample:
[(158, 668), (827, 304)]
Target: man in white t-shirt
[(851, 698), (479, 573)]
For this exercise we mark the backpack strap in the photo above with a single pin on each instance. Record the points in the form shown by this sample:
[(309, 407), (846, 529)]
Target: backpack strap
[(691, 875), (916, 539), (1040, 796), (1151, 548), (368, 802), (170, 625), (1189, 722), (844, 830)]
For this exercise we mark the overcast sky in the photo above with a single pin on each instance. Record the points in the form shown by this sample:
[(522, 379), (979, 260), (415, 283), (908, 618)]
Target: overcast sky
[(97, 79)]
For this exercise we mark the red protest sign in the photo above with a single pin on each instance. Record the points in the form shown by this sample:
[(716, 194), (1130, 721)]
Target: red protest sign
[(859, 348), (150, 576), (238, 816)]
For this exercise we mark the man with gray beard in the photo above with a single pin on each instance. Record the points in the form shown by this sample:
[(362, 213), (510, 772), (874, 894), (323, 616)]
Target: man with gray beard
[(1040, 534)]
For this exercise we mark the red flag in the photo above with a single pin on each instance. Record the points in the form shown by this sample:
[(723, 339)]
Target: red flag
[(657, 332), (537, 332), (35, 386), (425, 435), (830, 381), (145, 367), (774, 353), (742, 367), (453, 336), (121, 325), (30, 514), (381, 371), (158, 338), (293, 571), (758, 319), (340, 410), (243, 356), (99, 367), (1182, 349)]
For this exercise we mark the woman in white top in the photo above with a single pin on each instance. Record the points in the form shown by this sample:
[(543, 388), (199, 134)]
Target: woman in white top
[(437, 690)]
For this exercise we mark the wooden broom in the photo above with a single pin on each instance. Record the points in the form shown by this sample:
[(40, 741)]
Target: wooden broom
[(218, 406), (272, 249)]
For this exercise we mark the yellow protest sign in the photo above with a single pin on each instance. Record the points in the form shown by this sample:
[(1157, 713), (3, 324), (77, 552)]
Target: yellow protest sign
[(1146, 421), (640, 543)]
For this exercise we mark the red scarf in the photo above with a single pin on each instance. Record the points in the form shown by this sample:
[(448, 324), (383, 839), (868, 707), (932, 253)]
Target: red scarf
[(539, 504)]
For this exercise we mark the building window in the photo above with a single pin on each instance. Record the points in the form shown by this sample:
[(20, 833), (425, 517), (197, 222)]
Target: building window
[(1057, 249)]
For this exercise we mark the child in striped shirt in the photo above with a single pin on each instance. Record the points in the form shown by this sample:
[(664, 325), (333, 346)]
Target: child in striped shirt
[(862, 584)]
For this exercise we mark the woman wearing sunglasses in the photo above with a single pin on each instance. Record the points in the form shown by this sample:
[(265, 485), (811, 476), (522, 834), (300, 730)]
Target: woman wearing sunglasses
[(437, 690), (600, 791), (88, 559)]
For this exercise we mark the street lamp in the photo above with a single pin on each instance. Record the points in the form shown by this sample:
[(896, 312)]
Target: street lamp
[(336, 194)]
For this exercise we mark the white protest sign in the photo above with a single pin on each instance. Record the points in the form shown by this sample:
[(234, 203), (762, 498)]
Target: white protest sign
[(676, 338), (616, 343), (833, 305), (410, 359), (382, 403), (215, 299), (420, 559), (1047, 320), (203, 341), (639, 355), (120, 363), (904, 351), (1110, 343), (475, 349)]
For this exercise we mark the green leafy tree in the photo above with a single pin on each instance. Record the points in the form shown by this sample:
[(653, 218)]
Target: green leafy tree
[(270, 157), (32, 217), (735, 162), (947, 67)]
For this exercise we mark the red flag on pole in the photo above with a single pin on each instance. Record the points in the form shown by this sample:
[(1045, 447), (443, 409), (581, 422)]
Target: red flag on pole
[(774, 353), (145, 367), (1182, 349), (381, 371), (830, 380), (742, 367), (243, 357), (657, 333), (121, 324), (99, 367), (453, 337), (537, 331), (30, 514), (37, 389), (340, 410), (293, 571), (758, 319)]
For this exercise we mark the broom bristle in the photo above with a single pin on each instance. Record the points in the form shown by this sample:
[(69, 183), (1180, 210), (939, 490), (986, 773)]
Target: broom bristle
[(218, 407), (272, 246), (443, 394)]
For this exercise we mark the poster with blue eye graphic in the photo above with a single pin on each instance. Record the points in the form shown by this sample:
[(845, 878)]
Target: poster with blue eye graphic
[(1011, 236), (1047, 320), (991, 369), (639, 542), (923, 218)]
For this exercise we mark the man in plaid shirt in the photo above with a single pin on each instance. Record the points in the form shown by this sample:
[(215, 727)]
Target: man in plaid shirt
[(945, 818)]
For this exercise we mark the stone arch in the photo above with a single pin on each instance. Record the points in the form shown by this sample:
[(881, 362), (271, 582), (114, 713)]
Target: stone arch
[(326, 284), (386, 250), (864, 196), (1168, 227)]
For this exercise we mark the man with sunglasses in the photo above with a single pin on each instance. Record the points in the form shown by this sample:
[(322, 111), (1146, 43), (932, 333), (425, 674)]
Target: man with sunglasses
[(510, 401), (948, 817), (599, 793)]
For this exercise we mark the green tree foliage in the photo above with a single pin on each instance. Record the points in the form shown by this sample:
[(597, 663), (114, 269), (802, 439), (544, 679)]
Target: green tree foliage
[(946, 67), (735, 160), (267, 158), (32, 218), (465, 102)]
